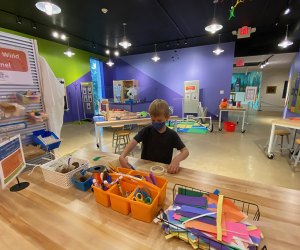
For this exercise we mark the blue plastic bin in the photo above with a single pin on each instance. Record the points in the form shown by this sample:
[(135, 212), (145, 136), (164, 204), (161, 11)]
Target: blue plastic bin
[(45, 133), (98, 118), (82, 185)]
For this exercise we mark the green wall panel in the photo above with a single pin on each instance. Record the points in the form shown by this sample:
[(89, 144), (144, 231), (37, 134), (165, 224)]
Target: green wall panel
[(63, 67)]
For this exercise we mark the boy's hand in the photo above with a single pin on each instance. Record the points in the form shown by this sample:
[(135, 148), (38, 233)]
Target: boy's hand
[(173, 168), (124, 162)]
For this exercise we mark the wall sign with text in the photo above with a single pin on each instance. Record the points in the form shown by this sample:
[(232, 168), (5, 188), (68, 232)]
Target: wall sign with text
[(14, 66)]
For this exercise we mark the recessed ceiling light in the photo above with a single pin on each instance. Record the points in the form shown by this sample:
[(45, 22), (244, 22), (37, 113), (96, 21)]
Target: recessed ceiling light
[(63, 37), (104, 10), (55, 34), (48, 7)]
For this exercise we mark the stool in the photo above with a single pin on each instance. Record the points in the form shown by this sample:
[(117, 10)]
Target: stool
[(281, 133), (122, 139), (296, 155), (114, 136)]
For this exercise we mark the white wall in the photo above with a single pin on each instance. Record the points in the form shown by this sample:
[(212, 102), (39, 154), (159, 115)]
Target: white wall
[(273, 77)]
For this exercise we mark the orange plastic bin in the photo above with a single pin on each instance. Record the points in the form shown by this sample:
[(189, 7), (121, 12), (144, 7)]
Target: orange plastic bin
[(229, 126)]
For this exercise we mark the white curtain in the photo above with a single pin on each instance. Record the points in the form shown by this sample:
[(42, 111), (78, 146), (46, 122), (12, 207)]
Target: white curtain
[(53, 97)]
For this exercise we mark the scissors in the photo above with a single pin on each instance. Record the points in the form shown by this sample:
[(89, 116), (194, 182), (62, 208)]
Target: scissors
[(143, 195)]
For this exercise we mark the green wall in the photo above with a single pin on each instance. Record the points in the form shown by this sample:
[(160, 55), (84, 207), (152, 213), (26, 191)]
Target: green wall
[(63, 67)]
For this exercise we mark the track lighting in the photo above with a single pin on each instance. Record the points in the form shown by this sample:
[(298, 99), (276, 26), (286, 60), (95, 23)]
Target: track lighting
[(19, 20)]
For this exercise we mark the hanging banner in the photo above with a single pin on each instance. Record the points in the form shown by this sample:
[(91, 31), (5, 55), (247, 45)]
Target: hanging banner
[(14, 66), (12, 160), (250, 94)]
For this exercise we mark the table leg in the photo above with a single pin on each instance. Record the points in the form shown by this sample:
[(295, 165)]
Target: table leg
[(220, 118), (98, 136), (270, 154), (175, 125), (243, 123), (293, 143)]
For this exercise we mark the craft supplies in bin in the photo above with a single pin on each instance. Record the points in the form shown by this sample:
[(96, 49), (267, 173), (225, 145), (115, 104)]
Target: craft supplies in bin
[(47, 139), (144, 203), (209, 221), (60, 171), (82, 180), (28, 97), (8, 110), (36, 116), (229, 126)]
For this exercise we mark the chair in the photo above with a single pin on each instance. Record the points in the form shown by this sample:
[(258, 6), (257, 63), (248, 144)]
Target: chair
[(122, 139), (281, 133), (296, 155)]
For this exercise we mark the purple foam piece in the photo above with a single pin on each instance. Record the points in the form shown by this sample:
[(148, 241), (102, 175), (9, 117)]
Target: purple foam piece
[(202, 219), (212, 243), (190, 200), (212, 205), (197, 210)]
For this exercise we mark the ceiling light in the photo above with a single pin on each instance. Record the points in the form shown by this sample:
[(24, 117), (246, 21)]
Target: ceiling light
[(63, 37), (55, 34), (155, 58), (286, 42), (110, 63), (287, 11), (218, 50), (124, 43), (94, 45), (69, 52), (185, 42), (107, 52), (34, 26), (48, 7), (116, 53), (104, 10), (214, 26)]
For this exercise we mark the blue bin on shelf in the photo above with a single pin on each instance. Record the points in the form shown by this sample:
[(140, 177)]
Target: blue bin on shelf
[(98, 118), (82, 180), (45, 133)]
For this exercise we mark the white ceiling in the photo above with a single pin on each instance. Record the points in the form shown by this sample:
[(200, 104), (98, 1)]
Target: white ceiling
[(275, 62)]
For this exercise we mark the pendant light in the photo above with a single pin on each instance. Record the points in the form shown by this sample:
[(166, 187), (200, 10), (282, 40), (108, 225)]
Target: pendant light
[(214, 26), (155, 58), (48, 7), (218, 50), (110, 63), (286, 42), (69, 52), (124, 43)]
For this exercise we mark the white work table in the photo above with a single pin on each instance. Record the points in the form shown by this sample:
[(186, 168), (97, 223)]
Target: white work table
[(232, 109), (286, 123)]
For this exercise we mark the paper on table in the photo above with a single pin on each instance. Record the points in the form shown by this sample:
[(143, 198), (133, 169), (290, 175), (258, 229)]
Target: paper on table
[(189, 200)]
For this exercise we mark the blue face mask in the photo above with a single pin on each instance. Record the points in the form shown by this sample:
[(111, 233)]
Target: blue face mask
[(158, 125)]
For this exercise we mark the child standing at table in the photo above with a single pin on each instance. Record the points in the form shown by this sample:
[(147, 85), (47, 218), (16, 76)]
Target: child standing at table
[(158, 140)]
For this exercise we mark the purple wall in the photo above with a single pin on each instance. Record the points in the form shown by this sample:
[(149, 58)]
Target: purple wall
[(295, 67), (74, 94), (165, 78)]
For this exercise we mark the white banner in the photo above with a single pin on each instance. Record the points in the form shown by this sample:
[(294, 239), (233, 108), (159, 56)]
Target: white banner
[(14, 66)]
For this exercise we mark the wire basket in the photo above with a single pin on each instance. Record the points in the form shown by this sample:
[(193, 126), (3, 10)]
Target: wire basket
[(62, 179), (204, 242)]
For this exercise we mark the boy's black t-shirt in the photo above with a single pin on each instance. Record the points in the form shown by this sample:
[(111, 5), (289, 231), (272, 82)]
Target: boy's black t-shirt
[(158, 146)]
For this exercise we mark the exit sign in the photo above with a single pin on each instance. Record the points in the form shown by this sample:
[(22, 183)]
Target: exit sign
[(245, 32)]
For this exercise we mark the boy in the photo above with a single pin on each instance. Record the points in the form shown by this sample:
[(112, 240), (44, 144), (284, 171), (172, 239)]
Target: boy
[(158, 140)]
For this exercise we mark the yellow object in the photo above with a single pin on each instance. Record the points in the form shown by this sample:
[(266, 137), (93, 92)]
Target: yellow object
[(219, 217)]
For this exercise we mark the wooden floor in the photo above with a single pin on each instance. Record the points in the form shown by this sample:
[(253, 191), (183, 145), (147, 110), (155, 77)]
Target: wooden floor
[(44, 216)]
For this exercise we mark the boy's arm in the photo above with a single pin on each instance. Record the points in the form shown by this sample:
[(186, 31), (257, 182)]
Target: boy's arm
[(130, 146), (174, 165)]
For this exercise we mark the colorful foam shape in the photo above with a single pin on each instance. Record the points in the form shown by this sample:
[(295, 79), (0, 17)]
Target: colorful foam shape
[(189, 200)]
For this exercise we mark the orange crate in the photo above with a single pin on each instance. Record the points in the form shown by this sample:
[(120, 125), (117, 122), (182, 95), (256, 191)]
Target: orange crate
[(142, 211), (118, 202), (102, 196), (161, 184)]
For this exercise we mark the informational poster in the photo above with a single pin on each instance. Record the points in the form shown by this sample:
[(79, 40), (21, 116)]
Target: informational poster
[(250, 94), (191, 97), (12, 160), (14, 66)]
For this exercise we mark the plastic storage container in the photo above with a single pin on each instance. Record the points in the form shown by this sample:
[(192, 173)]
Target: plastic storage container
[(23, 98), (45, 133), (229, 126), (101, 196), (142, 211), (118, 202), (82, 180)]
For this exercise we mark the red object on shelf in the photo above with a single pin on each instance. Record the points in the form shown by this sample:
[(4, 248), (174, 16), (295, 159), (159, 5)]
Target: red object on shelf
[(229, 126)]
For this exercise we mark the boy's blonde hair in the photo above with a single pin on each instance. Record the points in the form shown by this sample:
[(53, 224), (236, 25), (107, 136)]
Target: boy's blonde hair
[(159, 107)]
